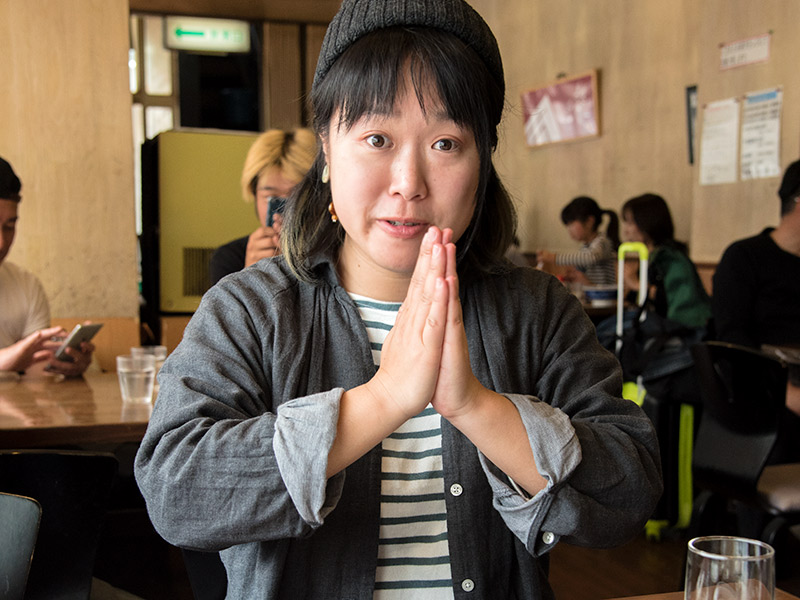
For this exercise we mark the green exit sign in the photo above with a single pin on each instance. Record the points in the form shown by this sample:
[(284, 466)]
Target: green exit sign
[(206, 35)]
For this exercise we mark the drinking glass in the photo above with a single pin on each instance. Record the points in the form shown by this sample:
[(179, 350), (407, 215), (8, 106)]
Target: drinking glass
[(136, 374), (729, 568), (160, 354)]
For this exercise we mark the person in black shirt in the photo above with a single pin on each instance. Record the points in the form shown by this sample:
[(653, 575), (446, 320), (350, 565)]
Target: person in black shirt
[(757, 282), (275, 163), (756, 298)]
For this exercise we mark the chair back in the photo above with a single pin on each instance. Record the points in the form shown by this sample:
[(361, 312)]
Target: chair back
[(744, 396), (19, 525), (73, 488)]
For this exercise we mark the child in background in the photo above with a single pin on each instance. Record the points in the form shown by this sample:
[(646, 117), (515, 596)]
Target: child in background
[(595, 262)]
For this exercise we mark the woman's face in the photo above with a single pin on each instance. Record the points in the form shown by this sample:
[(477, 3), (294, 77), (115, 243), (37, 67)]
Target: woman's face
[(630, 231), (394, 176), (271, 182), (581, 231)]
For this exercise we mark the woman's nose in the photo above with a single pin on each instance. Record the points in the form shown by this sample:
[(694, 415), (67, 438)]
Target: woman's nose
[(409, 175)]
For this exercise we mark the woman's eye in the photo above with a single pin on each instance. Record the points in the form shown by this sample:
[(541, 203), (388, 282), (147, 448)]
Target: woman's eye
[(445, 145), (376, 141)]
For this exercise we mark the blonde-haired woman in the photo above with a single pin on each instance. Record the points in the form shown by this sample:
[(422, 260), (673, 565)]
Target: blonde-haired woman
[(275, 164)]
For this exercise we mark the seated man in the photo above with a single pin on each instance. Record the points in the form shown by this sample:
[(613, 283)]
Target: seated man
[(757, 287), (27, 342), (757, 282)]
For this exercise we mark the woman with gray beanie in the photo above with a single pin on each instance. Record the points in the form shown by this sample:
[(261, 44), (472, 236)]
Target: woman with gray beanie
[(389, 409)]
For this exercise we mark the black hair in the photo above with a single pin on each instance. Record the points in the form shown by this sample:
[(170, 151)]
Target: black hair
[(367, 79), (652, 216), (10, 185), (583, 207)]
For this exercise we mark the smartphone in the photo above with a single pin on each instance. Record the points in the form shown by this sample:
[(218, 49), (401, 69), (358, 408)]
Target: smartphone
[(81, 333), (274, 207)]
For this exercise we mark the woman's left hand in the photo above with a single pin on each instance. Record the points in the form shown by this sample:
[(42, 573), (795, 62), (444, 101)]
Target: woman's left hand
[(457, 387)]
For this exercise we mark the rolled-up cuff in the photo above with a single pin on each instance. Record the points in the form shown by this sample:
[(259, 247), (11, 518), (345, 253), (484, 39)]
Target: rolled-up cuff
[(557, 452), (304, 432)]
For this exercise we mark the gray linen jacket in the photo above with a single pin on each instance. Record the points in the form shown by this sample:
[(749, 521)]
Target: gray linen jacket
[(235, 454)]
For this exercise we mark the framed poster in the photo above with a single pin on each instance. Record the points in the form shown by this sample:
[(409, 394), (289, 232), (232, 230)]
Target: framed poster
[(563, 110)]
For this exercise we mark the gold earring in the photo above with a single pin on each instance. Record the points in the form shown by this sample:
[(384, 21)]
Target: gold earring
[(326, 174), (332, 210)]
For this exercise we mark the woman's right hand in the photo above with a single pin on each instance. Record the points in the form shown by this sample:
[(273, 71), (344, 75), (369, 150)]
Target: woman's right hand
[(412, 352)]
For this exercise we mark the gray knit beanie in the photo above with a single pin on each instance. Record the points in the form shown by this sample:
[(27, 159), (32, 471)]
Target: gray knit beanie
[(357, 18)]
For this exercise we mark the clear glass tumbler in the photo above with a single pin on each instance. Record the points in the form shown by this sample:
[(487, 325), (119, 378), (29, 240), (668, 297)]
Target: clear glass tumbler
[(729, 568), (136, 375), (160, 354)]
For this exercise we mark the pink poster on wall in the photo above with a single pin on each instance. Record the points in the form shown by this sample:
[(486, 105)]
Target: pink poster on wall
[(566, 109)]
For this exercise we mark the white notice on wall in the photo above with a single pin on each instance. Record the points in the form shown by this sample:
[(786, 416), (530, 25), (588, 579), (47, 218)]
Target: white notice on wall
[(761, 134), (745, 52), (719, 142)]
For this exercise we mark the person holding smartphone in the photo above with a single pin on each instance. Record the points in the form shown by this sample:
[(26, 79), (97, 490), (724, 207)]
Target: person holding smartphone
[(275, 163), (27, 342)]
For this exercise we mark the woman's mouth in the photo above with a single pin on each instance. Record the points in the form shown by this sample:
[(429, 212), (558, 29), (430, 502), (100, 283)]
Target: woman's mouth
[(404, 228), (404, 223)]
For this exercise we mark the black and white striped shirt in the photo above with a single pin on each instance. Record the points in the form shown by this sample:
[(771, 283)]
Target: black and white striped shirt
[(413, 553)]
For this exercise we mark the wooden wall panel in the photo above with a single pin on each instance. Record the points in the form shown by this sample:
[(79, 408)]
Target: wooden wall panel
[(732, 211), (282, 81), (66, 128), (314, 36), (647, 52), (307, 11), (643, 52)]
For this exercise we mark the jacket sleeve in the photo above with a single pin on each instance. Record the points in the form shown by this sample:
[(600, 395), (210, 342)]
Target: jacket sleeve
[(216, 458), (598, 451)]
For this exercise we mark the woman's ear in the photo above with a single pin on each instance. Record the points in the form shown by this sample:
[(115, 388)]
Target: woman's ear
[(323, 143)]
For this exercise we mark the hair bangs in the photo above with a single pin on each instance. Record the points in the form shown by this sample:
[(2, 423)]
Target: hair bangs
[(369, 76)]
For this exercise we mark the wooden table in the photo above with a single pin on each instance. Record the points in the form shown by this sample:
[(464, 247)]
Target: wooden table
[(50, 411), (779, 595)]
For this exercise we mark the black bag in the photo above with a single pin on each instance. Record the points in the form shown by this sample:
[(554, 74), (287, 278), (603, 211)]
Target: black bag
[(654, 346)]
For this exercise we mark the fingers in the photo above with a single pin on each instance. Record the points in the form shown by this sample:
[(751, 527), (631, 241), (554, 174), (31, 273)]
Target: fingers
[(277, 223), (50, 332), (264, 242), (81, 360), (435, 329), (38, 339), (431, 293), (421, 270)]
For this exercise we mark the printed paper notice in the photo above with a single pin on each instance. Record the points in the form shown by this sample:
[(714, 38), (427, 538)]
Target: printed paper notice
[(745, 52), (761, 133), (719, 142)]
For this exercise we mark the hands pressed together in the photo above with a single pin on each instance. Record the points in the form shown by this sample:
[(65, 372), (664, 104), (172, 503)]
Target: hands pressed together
[(37, 352), (425, 357)]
